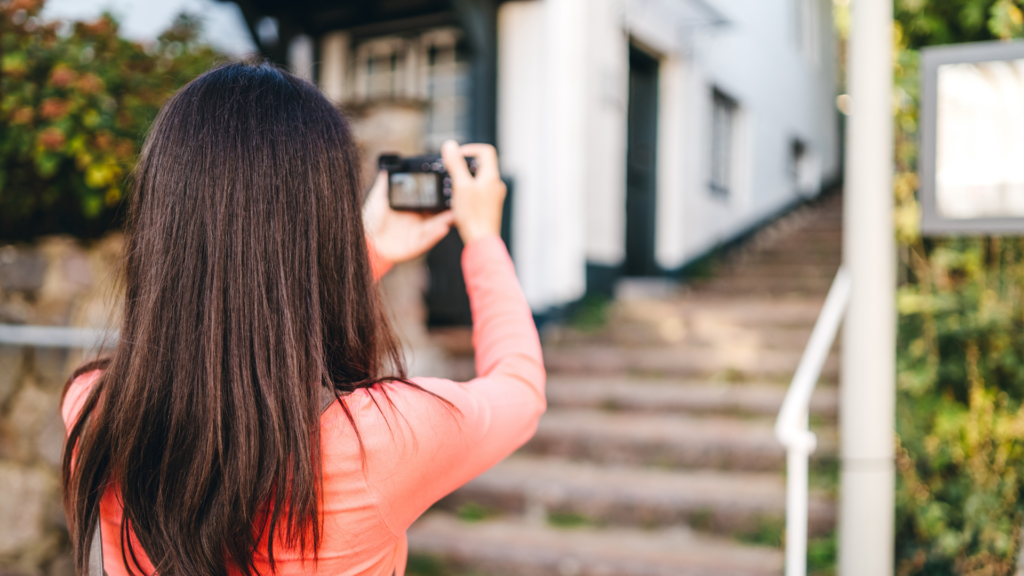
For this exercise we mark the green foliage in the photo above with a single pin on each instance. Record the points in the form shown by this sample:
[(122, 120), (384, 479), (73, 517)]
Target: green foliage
[(424, 565), (929, 22), (960, 349), (473, 512), (75, 103), (764, 532), (568, 520), (821, 556), (591, 314), (960, 418)]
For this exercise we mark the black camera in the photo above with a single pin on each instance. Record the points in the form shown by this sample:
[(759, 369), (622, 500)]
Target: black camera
[(419, 183)]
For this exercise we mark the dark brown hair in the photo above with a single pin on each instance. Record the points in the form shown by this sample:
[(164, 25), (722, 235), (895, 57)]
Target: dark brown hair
[(247, 290)]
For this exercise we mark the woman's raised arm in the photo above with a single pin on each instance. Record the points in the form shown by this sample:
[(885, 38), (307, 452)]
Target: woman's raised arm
[(436, 447)]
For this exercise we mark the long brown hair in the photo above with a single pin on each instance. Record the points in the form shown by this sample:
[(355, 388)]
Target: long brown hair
[(247, 290)]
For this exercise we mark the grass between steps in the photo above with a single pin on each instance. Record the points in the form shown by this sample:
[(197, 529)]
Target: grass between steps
[(430, 565), (590, 314), (821, 551)]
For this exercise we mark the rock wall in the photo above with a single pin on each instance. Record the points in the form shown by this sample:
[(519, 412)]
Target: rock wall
[(61, 282)]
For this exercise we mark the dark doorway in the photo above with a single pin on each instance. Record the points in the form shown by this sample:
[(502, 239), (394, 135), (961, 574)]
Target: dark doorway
[(641, 153)]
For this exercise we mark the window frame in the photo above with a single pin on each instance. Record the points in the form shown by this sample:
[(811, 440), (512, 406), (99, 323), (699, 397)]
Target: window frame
[(722, 161)]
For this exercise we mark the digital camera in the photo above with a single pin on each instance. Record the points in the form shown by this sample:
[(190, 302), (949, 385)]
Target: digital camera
[(419, 183)]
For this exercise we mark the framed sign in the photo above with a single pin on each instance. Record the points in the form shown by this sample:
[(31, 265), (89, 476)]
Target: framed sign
[(972, 139)]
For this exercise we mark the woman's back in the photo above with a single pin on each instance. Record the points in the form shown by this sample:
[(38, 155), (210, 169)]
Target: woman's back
[(372, 462)]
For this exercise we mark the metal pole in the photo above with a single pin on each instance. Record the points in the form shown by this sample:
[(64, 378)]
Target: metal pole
[(868, 377)]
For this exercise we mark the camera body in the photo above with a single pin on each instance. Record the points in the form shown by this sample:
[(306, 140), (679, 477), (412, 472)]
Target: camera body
[(419, 183)]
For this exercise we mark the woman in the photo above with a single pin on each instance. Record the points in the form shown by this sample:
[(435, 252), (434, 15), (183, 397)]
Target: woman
[(202, 446)]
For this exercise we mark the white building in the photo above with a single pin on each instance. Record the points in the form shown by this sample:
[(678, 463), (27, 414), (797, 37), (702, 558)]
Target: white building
[(638, 135)]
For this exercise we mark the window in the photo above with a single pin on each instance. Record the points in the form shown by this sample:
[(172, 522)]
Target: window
[(447, 73), (430, 67), (723, 120)]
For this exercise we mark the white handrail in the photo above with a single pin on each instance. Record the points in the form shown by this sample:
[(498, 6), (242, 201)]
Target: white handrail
[(792, 426), (56, 336)]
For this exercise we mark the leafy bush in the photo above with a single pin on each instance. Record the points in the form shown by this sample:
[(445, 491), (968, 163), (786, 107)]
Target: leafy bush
[(75, 102), (960, 418), (960, 354)]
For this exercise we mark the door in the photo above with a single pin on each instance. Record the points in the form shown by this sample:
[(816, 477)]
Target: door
[(641, 154)]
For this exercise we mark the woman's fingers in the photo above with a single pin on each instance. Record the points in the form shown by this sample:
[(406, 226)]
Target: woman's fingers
[(454, 161), (436, 227), (375, 207), (444, 219), (477, 202), (486, 159), (380, 185)]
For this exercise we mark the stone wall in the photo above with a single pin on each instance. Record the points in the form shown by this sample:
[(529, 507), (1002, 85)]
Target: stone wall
[(61, 282)]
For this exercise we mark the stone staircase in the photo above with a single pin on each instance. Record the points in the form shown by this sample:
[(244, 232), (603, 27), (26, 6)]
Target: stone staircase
[(657, 456)]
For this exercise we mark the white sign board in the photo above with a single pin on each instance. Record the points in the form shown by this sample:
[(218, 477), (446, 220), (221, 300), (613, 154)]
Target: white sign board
[(972, 138)]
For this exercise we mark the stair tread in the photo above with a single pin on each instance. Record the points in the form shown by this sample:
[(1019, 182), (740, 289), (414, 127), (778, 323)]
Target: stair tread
[(554, 479), (658, 439), (665, 395), (519, 547), (611, 358), (675, 428)]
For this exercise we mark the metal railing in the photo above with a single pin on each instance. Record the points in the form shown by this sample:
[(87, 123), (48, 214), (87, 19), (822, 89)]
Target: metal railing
[(56, 337), (792, 427)]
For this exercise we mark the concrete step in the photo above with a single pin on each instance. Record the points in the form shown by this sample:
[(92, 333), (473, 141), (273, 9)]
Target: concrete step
[(824, 235), (808, 234), (751, 279), (508, 547), (671, 331), (739, 362), (779, 270), (668, 441), (622, 393), (765, 285), (812, 249), (782, 256), (727, 503), (751, 310)]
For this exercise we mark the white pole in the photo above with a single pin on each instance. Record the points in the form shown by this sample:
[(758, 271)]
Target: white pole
[(868, 377)]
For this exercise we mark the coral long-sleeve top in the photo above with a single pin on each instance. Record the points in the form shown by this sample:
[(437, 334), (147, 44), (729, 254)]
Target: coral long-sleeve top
[(416, 452)]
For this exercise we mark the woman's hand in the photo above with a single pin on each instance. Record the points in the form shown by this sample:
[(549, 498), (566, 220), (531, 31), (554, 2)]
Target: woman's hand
[(399, 236), (476, 201)]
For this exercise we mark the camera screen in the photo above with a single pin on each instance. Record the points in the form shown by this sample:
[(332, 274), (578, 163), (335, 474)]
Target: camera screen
[(413, 189)]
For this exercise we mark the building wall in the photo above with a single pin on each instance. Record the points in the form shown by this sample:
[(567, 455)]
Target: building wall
[(542, 119), (783, 94), (562, 106)]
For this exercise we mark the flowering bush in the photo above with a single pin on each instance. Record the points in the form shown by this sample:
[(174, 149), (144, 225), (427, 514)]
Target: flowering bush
[(75, 102)]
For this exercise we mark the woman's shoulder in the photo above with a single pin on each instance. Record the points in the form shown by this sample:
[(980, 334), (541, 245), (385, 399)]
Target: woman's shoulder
[(75, 394), (380, 403)]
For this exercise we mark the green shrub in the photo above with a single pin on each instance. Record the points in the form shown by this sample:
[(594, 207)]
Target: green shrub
[(75, 103), (960, 345), (959, 416)]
